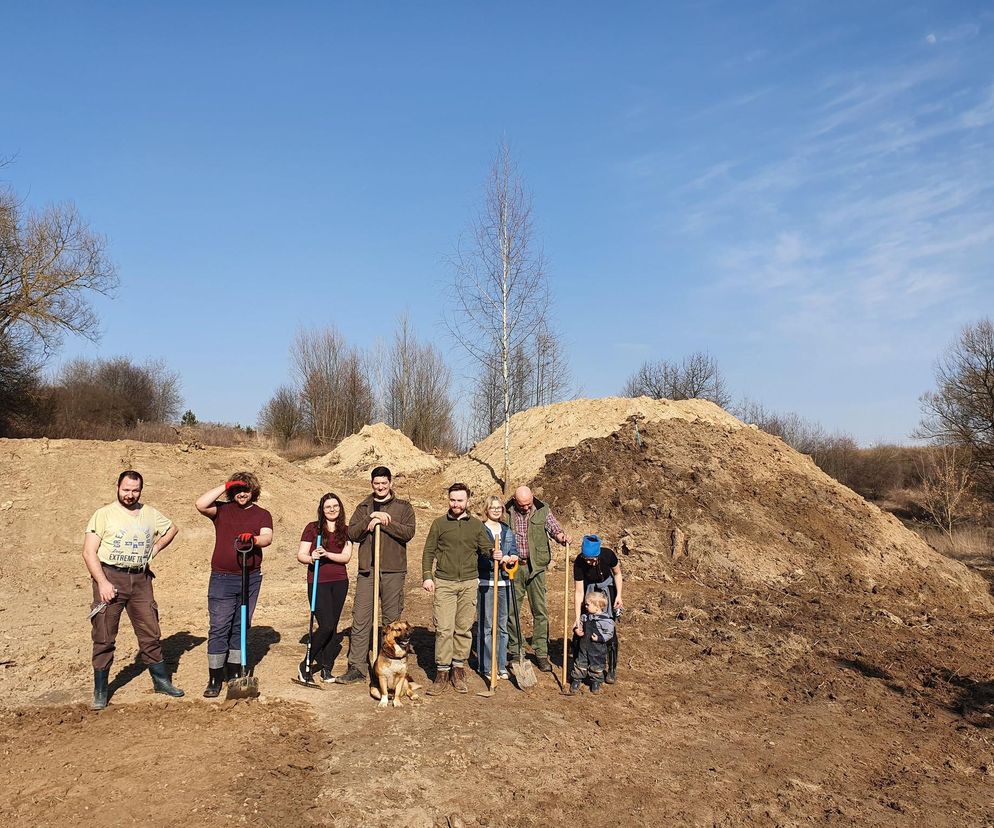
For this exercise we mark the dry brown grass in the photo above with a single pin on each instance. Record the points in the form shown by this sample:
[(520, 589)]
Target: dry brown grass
[(300, 449), (207, 434), (965, 541)]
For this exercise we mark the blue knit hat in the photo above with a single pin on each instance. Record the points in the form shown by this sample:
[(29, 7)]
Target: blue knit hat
[(591, 547)]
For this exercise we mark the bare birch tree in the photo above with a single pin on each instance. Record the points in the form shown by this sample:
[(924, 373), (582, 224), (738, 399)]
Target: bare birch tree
[(499, 291), (551, 372)]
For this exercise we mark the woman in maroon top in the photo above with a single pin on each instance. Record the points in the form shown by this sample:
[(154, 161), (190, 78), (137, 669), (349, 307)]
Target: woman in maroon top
[(333, 581), (238, 517)]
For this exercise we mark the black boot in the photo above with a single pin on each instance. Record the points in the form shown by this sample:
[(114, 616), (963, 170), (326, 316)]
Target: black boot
[(161, 682), (232, 671), (214, 684), (100, 689)]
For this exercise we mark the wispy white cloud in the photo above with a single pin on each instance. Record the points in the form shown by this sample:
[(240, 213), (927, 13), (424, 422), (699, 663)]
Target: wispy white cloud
[(873, 201)]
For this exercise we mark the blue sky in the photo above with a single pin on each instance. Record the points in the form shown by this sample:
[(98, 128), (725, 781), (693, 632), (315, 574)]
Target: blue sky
[(804, 189)]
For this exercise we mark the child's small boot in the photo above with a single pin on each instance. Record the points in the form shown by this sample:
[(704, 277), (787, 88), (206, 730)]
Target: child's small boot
[(595, 685), (574, 687)]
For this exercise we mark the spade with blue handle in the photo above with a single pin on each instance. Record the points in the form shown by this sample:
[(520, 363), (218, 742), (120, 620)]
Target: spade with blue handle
[(304, 676), (245, 686)]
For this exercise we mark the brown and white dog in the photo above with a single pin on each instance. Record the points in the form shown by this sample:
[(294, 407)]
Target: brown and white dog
[(390, 667)]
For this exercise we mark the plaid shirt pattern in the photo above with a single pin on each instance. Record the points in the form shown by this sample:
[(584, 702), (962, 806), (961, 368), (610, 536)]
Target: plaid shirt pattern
[(519, 523)]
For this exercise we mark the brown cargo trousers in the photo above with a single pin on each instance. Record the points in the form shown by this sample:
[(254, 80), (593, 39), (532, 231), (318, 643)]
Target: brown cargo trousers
[(391, 608), (453, 613), (134, 594)]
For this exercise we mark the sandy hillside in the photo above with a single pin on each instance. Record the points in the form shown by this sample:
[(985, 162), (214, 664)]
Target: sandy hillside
[(376, 445), (546, 429), (789, 655)]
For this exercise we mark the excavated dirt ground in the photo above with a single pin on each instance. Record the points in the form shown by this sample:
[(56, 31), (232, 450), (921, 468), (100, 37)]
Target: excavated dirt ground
[(806, 693)]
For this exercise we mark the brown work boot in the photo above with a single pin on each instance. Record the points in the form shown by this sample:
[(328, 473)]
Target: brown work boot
[(439, 685), (459, 679)]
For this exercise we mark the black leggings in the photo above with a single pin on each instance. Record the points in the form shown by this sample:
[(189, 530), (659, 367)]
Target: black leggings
[(330, 600)]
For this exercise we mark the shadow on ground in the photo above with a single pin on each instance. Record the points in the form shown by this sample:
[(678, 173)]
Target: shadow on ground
[(173, 649)]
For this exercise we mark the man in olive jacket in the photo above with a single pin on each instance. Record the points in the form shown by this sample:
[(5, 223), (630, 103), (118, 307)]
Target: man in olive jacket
[(454, 545), (395, 517), (533, 524)]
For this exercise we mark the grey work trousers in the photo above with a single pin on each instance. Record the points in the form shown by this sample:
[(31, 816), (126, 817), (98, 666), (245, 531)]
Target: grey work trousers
[(391, 608)]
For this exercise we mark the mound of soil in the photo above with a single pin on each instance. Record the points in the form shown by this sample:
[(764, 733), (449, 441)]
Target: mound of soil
[(738, 506), (543, 430), (376, 445)]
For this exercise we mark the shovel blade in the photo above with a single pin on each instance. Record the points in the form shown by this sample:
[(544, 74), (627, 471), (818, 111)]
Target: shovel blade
[(524, 674), (246, 687)]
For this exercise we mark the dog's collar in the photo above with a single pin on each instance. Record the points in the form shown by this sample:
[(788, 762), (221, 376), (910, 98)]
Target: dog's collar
[(407, 649)]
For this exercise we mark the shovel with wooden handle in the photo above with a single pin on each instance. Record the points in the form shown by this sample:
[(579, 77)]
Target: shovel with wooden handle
[(493, 632), (566, 596), (523, 672), (376, 594)]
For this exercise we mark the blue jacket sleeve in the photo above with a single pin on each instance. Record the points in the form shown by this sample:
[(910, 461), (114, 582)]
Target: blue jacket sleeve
[(508, 543)]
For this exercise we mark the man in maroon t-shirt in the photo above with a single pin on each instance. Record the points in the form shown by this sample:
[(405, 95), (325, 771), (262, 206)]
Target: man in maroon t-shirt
[(237, 518)]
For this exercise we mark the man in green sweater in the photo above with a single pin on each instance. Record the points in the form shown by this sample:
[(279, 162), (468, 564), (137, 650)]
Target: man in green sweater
[(455, 542)]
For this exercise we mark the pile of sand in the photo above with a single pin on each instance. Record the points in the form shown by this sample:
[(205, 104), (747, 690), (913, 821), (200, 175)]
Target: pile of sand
[(540, 431), (376, 445)]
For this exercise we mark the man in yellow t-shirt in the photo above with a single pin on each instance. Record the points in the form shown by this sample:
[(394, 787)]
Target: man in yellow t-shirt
[(121, 538)]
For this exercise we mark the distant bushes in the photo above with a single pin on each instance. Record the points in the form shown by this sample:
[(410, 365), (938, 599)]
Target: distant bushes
[(112, 399)]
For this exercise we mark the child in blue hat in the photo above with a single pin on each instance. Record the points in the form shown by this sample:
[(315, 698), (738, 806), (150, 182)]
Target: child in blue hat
[(598, 587)]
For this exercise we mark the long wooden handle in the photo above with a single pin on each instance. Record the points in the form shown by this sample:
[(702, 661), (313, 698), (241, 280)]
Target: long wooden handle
[(565, 612), (376, 591), (493, 625)]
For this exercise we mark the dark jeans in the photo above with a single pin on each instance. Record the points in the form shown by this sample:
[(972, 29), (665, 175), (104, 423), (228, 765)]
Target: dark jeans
[(134, 594), (591, 659), (326, 645), (224, 601), (485, 628)]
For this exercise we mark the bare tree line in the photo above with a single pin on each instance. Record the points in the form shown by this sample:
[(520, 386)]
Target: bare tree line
[(695, 377), (338, 388)]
